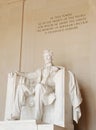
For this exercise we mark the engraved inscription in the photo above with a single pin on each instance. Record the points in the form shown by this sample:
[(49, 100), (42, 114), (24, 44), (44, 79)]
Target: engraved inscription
[(62, 22)]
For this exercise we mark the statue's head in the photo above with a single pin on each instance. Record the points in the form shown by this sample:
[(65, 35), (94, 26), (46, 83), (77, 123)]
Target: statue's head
[(48, 55)]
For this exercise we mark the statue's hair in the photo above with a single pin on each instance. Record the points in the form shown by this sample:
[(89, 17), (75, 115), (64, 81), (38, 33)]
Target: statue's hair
[(47, 51)]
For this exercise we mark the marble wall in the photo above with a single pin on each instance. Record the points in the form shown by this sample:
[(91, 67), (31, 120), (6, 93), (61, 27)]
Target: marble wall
[(73, 48)]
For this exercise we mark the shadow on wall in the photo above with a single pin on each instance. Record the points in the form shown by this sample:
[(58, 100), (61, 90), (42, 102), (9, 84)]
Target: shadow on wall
[(84, 120)]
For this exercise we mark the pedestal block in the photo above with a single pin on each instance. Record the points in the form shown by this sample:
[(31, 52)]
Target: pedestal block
[(30, 125), (18, 125), (53, 127)]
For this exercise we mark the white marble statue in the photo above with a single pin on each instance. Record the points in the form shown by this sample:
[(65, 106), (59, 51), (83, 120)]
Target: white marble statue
[(41, 95), (42, 88)]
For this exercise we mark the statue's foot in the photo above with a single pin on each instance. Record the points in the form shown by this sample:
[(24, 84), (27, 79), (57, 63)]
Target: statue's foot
[(14, 117), (38, 121)]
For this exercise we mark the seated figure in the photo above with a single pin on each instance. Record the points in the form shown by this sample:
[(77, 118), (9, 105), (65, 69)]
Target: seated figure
[(42, 87), (41, 95)]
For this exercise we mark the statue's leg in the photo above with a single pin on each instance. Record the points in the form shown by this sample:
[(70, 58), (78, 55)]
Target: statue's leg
[(38, 103)]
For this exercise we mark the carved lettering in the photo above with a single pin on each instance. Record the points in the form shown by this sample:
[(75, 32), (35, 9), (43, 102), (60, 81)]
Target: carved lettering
[(62, 22)]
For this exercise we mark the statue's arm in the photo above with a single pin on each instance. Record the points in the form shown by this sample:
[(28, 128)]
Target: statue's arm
[(29, 75)]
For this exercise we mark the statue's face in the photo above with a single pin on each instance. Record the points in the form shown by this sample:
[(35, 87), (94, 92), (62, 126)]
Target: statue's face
[(47, 58)]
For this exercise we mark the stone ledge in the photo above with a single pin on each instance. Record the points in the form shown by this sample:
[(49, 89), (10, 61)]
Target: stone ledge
[(29, 125)]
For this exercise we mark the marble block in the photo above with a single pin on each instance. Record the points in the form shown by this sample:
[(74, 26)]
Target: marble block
[(30, 125), (18, 125)]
